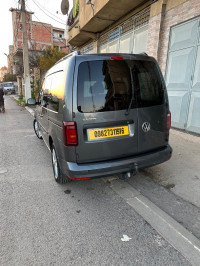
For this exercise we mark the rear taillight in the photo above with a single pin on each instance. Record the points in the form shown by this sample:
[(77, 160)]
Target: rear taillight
[(168, 120), (70, 136), (116, 58), (81, 178)]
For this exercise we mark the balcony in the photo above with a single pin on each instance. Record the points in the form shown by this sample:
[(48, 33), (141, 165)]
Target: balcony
[(93, 19)]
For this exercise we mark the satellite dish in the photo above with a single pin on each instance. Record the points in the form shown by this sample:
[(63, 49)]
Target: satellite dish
[(65, 7)]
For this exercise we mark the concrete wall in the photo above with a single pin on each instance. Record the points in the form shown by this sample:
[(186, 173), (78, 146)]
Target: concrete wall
[(86, 11)]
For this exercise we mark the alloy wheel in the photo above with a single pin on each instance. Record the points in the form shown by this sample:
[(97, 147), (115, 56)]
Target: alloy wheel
[(37, 130), (55, 163)]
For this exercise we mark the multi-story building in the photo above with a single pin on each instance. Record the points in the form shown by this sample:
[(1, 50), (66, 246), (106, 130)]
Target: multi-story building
[(168, 30), (40, 36), (10, 59), (3, 71)]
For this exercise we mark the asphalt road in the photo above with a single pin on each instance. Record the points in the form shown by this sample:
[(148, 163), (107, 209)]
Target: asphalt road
[(81, 223)]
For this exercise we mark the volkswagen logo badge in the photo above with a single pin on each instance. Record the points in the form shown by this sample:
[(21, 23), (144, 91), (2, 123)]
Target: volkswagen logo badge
[(146, 126)]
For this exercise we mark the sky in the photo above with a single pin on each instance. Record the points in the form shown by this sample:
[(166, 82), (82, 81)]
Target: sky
[(6, 31)]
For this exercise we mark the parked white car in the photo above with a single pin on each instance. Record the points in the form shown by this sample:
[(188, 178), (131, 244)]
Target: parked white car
[(8, 87)]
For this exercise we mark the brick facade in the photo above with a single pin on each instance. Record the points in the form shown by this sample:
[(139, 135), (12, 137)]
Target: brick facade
[(42, 32), (40, 35), (154, 35)]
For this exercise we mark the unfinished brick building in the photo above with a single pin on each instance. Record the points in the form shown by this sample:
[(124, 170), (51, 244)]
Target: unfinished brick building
[(40, 36)]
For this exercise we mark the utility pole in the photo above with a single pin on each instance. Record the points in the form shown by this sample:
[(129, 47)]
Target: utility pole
[(25, 53)]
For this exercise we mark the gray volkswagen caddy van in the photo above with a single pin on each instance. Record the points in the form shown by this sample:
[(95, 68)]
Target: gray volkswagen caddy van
[(103, 114)]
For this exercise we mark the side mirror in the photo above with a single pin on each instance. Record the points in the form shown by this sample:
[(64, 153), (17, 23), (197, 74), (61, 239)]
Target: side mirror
[(31, 101)]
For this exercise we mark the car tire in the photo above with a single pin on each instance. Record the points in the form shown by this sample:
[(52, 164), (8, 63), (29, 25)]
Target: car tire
[(58, 176), (37, 129)]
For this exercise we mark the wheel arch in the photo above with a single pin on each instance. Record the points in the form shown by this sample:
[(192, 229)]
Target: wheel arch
[(50, 141)]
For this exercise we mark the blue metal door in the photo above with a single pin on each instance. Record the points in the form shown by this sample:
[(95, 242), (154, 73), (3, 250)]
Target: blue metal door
[(183, 75)]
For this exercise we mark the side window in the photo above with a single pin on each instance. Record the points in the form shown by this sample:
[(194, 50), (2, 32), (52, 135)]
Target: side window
[(56, 92), (46, 89), (40, 96)]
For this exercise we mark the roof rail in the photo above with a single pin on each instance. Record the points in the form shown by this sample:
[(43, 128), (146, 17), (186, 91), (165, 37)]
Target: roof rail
[(143, 53), (75, 53), (68, 55)]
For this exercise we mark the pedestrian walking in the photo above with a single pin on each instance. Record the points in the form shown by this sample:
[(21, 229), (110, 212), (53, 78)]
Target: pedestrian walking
[(2, 108)]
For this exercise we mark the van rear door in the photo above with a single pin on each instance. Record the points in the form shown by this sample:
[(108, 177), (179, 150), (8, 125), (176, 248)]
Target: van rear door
[(104, 110), (152, 103)]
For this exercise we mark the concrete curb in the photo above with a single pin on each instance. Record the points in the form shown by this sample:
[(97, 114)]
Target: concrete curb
[(30, 110), (180, 238)]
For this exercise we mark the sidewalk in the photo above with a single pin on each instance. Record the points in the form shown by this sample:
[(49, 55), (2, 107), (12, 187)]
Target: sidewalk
[(181, 174), (29, 109)]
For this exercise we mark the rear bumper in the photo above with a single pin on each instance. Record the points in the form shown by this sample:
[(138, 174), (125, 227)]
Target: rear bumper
[(9, 91), (93, 170)]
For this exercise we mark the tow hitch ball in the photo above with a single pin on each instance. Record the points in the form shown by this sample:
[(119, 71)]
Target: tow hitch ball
[(127, 175)]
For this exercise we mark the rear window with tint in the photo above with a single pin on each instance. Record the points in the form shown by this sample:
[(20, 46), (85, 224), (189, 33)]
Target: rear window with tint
[(111, 85)]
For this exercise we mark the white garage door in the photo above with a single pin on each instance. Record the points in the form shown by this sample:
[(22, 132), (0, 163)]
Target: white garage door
[(183, 75)]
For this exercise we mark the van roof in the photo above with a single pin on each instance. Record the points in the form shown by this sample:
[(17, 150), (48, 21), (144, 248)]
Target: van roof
[(125, 55), (60, 65)]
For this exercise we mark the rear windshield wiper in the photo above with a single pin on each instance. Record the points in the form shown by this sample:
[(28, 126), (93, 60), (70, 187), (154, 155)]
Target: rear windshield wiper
[(132, 98)]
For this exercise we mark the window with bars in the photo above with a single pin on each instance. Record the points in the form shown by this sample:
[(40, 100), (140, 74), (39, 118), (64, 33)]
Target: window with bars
[(128, 36), (88, 49), (114, 35), (103, 39), (142, 20), (128, 26)]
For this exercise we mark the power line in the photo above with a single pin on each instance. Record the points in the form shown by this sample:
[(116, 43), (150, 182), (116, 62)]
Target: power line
[(40, 21), (50, 12), (47, 14), (44, 25)]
